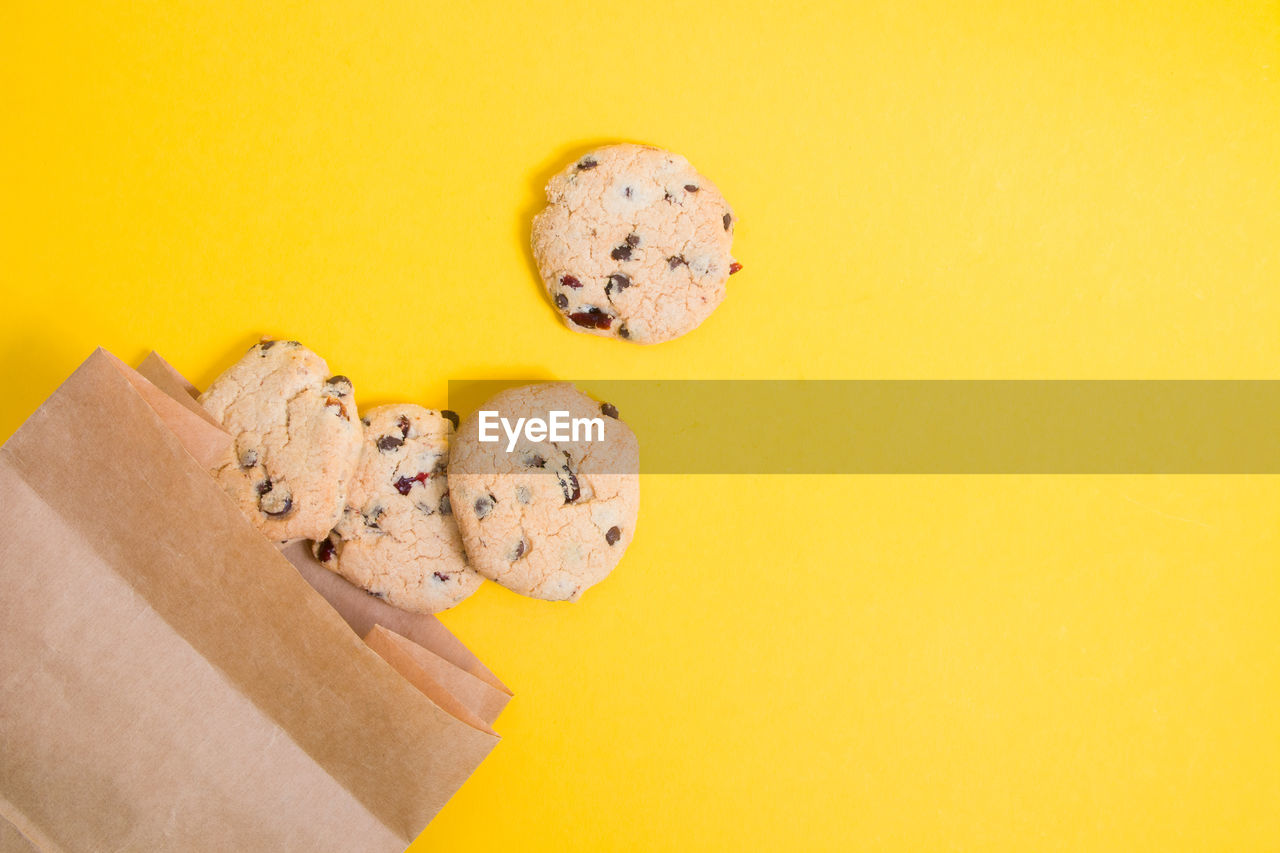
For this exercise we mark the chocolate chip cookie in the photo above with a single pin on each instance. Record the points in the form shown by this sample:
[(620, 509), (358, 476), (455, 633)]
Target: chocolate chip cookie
[(397, 537), (634, 244), (546, 518), (297, 439)]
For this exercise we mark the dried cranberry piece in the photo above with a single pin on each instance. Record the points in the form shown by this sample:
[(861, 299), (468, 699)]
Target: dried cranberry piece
[(592, 318), (405, 484), (570, 281), (735, 267), (443, 578), (334, 402), (325, 550)]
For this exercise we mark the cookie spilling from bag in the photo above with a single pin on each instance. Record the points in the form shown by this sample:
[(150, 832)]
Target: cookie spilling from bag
[(542, 514), (297, 439), (634, 244), (402, 507), (397, 537)]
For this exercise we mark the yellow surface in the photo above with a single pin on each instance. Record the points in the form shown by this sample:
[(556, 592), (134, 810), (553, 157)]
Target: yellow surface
[(937, 191)]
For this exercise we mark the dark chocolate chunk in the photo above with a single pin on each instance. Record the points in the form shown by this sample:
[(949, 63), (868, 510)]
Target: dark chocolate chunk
[(266, 345), (609, 409), (451, 416), (562, 301), (445, 507), (613, 535), (274, 507), (675, 261), (690, 188), (404, 425), (484, 505), (624, 332), (622, 253), (633, 239), (617, 283), (728, 220), (586, 164), (340, 384), (532, 460), (516, 552), (390, 442)]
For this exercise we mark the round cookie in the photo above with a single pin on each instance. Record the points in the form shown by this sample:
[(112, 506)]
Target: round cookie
[(634, 244), (297, 439), (397, 538), (549, 518)]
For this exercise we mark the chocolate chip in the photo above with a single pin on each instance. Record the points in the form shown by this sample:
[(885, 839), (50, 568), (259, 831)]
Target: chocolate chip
[(570, 281), (668, 198), (532, 460), (523, 495), (440, 576), (325, 549), (390, 442), (728, 220), (624, 332), (450, 416), (249, 458), (405, 484), (365, 420), (341, 384), (484, 505), (445, 507), (592, 318), (266, 345), (562, 301), (292, 344), (568, 482), (378, 594), (516, 552), (586, 164), (404, 425), (690, 188), (675, 261), (274, 507), (622, 253), (633, 239), (617, 283), (613, 535), (265, 486), (609, 409), (627, 192)]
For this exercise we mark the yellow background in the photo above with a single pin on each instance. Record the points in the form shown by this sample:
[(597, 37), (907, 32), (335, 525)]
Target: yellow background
[(946, 190)]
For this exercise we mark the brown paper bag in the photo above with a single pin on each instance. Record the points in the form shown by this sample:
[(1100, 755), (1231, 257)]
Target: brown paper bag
[(170, 681)]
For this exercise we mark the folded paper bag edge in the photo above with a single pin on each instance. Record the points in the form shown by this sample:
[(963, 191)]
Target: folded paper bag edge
[(77, 397)]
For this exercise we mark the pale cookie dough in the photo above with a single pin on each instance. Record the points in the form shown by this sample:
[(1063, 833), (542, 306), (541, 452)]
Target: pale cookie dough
[(548, 519), (297, 439), (397, 538), (634, 244)]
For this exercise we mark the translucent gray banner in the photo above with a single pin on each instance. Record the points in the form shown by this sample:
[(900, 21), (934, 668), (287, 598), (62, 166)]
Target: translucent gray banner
[(938, 427)]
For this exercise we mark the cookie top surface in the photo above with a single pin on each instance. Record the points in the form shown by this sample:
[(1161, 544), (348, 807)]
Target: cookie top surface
[(296, 439), (634, 244), (549, 518), (397, 538)]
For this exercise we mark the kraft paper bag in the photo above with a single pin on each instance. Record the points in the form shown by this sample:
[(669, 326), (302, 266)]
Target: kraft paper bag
[(170, 680), (448, 663)]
